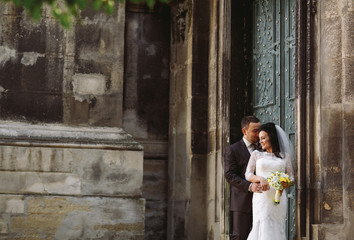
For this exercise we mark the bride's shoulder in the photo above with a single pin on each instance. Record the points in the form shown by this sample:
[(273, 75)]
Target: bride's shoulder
[(257, 153), (285, 155)]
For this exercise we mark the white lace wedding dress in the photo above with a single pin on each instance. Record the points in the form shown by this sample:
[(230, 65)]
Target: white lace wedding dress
[(268, 218)]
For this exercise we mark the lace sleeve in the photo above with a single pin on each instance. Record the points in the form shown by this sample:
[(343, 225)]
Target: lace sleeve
[(289, 166), (251, 167)]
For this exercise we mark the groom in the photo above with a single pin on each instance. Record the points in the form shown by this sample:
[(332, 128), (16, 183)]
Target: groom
[(236, 160)]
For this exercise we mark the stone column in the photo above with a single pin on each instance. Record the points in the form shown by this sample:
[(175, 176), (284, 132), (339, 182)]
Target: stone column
[(180, 119), (347, 21), (333, 209), (195, 158)]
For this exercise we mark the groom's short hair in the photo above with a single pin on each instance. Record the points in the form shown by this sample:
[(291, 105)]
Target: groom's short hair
[(247, 120)]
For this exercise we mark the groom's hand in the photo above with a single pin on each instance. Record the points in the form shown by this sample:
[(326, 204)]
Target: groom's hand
[(264, 184), (256, 188)]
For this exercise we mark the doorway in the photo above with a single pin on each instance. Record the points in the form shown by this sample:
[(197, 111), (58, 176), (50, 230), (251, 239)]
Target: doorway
[(273, 73), (263, 70)]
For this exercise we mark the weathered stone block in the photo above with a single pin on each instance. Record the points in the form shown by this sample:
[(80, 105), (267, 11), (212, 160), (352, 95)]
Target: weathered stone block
[(70, 170), (332, 207), (332, 43), (332, 120), (14, 158), (155, 180), (329, 232), (55, 41), (156, 220), (54, 71), (332, 153), (80, 218), (104, 106), (90, 169), (348, 34), (133, 124), (77, 112), (99, 64), (9, 9), (350, 197), (34, 68), (85, 84), (3, 227), (330, 8), (96, 40), (348, 79), (15, 206), (332, 81), (45, 183), (111, 172), (12, 204), (7, 54)]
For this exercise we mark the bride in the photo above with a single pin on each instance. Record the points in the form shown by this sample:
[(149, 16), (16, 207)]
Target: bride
[(268, 218)]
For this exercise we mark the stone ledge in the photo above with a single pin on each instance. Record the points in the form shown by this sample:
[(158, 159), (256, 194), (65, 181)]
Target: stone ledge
[(57, 135)]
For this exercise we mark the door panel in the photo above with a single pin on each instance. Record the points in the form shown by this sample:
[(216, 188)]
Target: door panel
[(274, 72), (266, 61)]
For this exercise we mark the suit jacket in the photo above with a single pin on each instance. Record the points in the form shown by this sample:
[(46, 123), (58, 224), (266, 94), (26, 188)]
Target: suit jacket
[(236, 160)]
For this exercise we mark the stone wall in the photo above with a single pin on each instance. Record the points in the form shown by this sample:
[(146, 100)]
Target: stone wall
[(31, 66), (77, 77), (196, 107), (93, 70), (334, 115), (61, 182), (48, 74), (67, 183)]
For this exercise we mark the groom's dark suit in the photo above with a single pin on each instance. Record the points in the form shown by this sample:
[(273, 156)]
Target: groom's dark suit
[(236, 160)]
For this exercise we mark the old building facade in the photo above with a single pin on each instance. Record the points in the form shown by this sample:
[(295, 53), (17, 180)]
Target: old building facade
[(116, 128)]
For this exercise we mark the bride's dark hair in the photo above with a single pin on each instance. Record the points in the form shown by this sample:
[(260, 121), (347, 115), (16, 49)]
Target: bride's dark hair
[(273, 137)]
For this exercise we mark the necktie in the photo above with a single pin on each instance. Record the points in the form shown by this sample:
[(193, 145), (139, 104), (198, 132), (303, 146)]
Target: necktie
[(254, 146)]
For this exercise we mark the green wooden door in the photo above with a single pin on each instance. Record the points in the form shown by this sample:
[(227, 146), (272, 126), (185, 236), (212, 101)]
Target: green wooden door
[(274, 72)]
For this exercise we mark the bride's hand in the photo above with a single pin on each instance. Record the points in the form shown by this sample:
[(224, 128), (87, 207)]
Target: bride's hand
[(264, 184)]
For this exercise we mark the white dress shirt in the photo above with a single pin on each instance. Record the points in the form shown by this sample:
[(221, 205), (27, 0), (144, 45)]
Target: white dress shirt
[(248, 145)]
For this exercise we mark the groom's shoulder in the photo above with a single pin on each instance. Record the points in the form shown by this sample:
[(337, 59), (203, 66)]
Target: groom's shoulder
[(237, 144)]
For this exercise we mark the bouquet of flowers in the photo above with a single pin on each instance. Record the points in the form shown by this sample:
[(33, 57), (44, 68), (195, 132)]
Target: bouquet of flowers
[(279, 181)]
